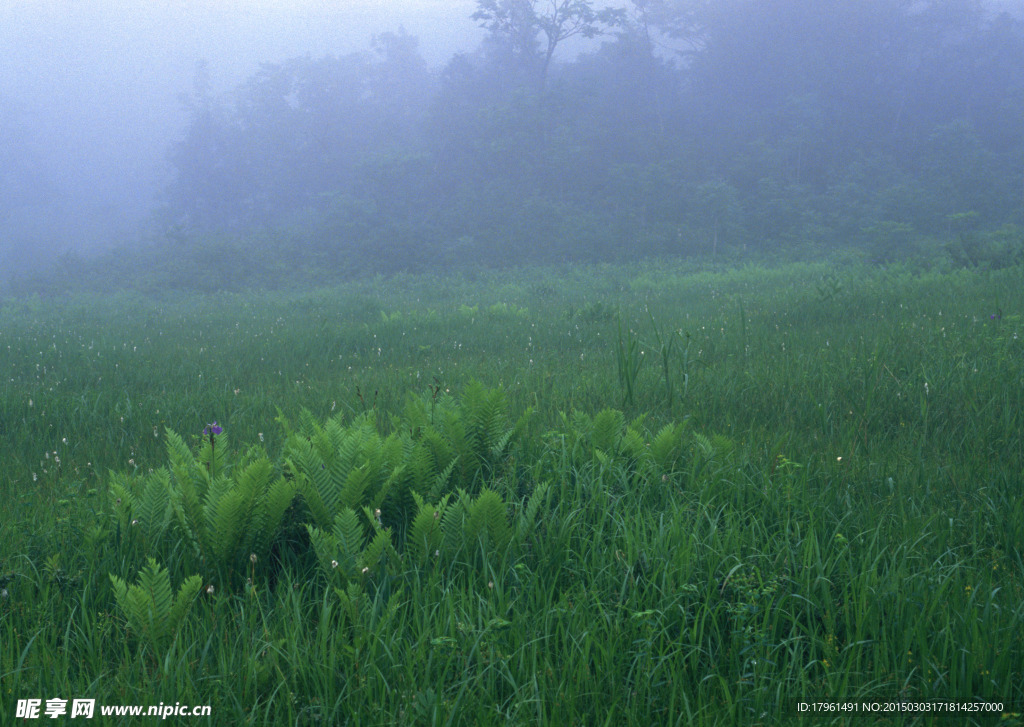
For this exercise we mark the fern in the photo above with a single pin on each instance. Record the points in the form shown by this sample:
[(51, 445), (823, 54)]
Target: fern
[(722, 444), (527, 519), (606, 430), (442, 480), (344, 553), (149, 606), (486, 415), (217, 520), (430, 464), (378, 551), (274, 502), (666, 447), (342, 467), (452, 526), (633, 447), (487, 523), (703, 445), (142, 508), (425, 534)]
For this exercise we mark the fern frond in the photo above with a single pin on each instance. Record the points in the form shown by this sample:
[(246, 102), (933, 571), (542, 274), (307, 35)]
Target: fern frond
[(703, 445), (425, 533), (453, 524), (527, 519), (152, 511), (122, 499), (487, 522), (225, 523), (633, 446), (606, 430), (667, 446), (441, 484), (350, 494), (184, 599), (377, 551), (349, 537), (275, 504), (722, 444), (150, 607)]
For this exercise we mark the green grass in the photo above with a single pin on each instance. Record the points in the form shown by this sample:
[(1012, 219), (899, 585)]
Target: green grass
[(844, 520)]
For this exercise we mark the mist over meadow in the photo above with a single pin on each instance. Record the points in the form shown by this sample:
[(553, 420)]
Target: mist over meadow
[(512, 362), (253, 145)]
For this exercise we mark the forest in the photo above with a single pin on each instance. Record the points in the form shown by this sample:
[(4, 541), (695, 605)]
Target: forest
[(886, 128)]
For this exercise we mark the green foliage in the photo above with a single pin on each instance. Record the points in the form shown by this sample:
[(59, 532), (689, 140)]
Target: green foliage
[(1000, 248), (346, 553), (153, 611), (814, 522), (606, 430), (343, 467), (439, 446), (464, 443), (614, 445), (425, 534), (213, 513), (829, 287), (527, 519), (667, 447), (486, 524), (666, 344), (628, 360)]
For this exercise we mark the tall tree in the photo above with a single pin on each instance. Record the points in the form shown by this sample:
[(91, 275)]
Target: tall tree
[(532, 30)]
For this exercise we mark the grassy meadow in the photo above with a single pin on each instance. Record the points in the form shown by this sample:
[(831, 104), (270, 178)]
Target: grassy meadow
[(606, 495)]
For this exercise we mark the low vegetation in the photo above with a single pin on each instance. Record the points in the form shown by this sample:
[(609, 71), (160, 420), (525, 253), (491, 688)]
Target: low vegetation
[(635, 494)]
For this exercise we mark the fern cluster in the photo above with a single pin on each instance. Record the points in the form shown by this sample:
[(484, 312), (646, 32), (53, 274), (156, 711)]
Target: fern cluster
[(154, 612), (425, 489), (202, 509), (607, 439), (213, 512), (433, 493), (441, 446), (346, 552), (339, 467), (611, 449), (476, 531), (475, 437)]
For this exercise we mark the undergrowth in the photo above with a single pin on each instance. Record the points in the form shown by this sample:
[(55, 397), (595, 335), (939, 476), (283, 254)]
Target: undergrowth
[(448, 501)]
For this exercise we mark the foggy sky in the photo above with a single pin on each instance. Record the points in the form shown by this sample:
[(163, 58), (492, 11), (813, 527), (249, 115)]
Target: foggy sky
[(95, 86), (96, 83)]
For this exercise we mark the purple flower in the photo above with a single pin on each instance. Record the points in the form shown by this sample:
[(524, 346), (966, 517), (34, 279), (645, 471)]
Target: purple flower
[(212, 429)]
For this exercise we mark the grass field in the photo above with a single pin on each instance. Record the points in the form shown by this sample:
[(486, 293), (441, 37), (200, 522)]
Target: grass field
[(580, 496)]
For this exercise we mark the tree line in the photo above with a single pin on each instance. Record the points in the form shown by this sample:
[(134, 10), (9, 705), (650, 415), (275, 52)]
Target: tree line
[(683, 127)]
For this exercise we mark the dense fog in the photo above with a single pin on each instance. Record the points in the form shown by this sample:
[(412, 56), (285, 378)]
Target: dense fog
[(248, 144), (91, 96)]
